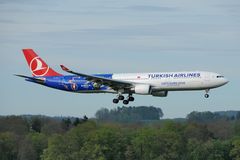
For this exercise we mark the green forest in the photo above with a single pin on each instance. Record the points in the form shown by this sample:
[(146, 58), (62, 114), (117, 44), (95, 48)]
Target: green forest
[(123, 133)]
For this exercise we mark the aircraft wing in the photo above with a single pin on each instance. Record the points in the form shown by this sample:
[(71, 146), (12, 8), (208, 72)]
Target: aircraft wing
[(114, 84)]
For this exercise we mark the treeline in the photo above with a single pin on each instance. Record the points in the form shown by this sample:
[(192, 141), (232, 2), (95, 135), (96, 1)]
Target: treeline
[(129, 114), (25, 137), (65, 139), (202, 117)]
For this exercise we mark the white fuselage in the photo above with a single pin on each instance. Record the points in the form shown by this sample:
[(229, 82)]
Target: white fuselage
[(175, 81)]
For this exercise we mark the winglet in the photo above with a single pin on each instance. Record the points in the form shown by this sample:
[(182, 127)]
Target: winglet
[(64, 68)]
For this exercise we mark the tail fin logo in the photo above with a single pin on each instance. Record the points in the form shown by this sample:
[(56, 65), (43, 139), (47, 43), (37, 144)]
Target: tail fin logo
[(38, 67)]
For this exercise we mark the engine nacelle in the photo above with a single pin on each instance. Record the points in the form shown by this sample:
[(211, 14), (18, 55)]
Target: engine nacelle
[(160, 93), (143, 89)]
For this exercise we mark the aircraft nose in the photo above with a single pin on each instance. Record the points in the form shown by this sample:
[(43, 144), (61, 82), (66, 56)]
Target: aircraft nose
[(225, 81)]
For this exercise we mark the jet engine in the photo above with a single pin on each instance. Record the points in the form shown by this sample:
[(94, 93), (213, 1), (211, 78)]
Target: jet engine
[(143, 89)]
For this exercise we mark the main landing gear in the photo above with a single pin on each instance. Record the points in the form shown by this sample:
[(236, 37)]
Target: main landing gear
[(120, 97), (206, 95)]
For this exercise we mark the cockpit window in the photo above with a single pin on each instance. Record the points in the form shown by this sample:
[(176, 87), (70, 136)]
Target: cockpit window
[(220, 76)]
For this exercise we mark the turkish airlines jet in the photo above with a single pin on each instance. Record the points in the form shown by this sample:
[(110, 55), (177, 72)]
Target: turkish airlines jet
[(155, 84)]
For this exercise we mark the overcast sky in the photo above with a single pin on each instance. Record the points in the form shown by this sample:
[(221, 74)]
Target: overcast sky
[(106, 36)]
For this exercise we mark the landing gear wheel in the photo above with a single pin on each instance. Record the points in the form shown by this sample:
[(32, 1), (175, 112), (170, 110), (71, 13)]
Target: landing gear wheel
[(121, 97), (115, 101), (125, 102), (206, 95), (131, 99)]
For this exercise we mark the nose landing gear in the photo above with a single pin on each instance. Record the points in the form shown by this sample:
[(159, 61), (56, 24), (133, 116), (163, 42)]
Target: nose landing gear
[(206, 95)]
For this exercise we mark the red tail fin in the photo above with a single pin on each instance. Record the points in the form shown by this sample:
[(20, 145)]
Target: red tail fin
[(37, 66)]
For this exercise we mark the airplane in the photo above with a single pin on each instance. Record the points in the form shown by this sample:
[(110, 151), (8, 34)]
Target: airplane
[(155, 84)]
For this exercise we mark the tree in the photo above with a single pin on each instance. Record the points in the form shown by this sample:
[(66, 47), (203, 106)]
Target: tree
[(15, 124), (104, 143), (102, 114), (238, 115), (52, 127), (68, 146), (66, 124), (197, 131), (155, 144), (129, 114), (58, 148), (32, 146), (36, 124), (211, 150), (221, 128), (202, 117), (85, 118), (26, 151), (130, 153), (8, 147), (235, 152), (76, 121), (237, 128), (91, 152), (161, 140)]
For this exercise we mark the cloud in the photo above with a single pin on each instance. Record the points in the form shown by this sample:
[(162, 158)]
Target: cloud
[(4, 20), (148, 8)]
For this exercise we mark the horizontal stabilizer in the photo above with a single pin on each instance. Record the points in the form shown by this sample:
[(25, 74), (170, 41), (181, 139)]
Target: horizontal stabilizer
[(37, 80)]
